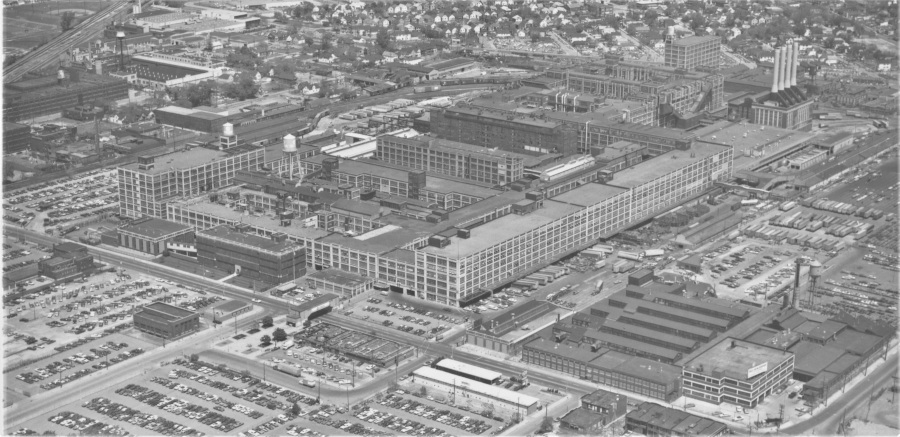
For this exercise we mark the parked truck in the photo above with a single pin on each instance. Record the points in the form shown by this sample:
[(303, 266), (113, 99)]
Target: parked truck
[(307, 382), (599, 287), (654, 252), (290, 370), (623, 266), (634, 256)]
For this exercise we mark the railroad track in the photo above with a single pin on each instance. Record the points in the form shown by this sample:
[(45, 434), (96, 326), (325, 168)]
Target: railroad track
[(49, 53)]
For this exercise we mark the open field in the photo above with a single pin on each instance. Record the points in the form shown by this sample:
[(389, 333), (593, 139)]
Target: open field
[(26, 26)]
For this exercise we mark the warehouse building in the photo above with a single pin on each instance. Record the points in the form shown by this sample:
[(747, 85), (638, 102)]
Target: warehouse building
[(273, 260), (737, 372), (475, 390), (492, 332), (342, 283), (656, 420), (152, 235), (167, 321)]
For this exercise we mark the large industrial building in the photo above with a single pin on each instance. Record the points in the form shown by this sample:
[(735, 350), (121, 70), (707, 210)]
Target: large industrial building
[(677, 98), (273, 260), (693, 51), (475, 390), (36, 97), (147, 185), (784, 105), (656, 420)]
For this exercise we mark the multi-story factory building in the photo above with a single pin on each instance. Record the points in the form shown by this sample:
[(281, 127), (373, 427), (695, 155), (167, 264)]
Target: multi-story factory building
[(568, 133), (737, 372), (452, 158), (693, 51), (146, 186)]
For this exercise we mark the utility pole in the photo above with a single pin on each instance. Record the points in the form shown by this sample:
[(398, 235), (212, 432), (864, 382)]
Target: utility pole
[(871, 392)]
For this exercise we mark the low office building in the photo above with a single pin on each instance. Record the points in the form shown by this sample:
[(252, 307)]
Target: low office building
[(153, 235), (597, 410), (490, 394), (656, 420), (229, 309), (306, 311), (490, 332), (469, 371), (339, 282), (273, 260), (737, 372), (69, 261), (166, 321)]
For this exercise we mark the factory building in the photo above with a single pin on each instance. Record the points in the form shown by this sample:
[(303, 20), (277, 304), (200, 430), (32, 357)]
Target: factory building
[(69, 261), (693, 51), (677, 97), (784, 105), (147, 185), (30, 98), (451, 158), (166, 321), (597, 410), (344, 284), (620, 370), (15, 137), (737, 372), (153, 235), (273, 260), (492, 124)]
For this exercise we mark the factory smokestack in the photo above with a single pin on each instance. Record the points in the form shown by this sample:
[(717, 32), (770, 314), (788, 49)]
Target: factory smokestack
[(784, 69), (776, 71), (794, 62), (789, 61)]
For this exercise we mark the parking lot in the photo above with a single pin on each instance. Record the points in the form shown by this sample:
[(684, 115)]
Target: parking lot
[(753, 268), (183, 398), (63, 316), (404, 317), (55, 206)]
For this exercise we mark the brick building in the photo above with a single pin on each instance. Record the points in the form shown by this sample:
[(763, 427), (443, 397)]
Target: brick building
[(166, 321)]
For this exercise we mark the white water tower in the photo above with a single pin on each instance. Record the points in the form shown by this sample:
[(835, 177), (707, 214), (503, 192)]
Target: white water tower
[(290, 150)]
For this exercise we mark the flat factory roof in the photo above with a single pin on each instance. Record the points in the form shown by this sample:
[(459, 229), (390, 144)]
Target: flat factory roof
[(154, 228), (589, 194), (502, 229), (227, 233), (339, 277), (663, 164), (170, 312), (735, 361)]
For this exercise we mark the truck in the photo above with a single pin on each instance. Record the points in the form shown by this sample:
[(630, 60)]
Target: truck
[(605, 248), (599, 287), (290, 370), (634, 256), (307, 382), (600, 264), (654, 252), (623, 266), (749, 202), (287, 345)]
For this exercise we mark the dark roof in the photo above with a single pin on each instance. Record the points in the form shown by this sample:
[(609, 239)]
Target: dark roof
[(154, 228), (339, 277), (231, 305), (227, 233), (327, 297), (170, 312), (582, 419)]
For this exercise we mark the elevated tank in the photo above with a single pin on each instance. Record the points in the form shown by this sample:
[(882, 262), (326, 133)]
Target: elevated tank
[(290, 143), (228, 129), (815, 269)]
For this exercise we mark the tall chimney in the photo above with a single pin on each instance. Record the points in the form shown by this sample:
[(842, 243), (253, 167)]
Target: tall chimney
[(776, 71), (784, 69), (788, 65), (794, 62)]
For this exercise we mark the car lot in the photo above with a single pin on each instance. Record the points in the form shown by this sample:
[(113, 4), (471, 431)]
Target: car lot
[(184, 398), (60, 202), (404, 317)]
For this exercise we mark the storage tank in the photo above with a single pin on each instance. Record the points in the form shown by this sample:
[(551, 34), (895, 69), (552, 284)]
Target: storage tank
[(815, 269), (290, 143), (227, 129)]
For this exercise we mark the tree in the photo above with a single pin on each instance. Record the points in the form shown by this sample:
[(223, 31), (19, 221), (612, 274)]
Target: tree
[(195, 358), (423, 391), (67, 21), (295, 409), (267, 321), (650, 17), (279, 335), (309, 40), (265, 339), (546, 425), (327, 38), (243, 88), (516, 417), (382, 39)]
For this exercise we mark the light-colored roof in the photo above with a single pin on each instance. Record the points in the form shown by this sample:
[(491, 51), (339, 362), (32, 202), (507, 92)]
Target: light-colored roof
[(462, 383)]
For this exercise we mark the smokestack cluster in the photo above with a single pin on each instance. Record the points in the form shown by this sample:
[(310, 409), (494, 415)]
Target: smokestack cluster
[(785, 68)]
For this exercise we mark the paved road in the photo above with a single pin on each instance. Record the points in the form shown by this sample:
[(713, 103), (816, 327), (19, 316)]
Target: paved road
[(825, 421)]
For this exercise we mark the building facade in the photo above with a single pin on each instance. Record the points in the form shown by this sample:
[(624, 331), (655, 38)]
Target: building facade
[(273, 260), (343, 284), (693, 51), (145, 186), (30, 98)]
